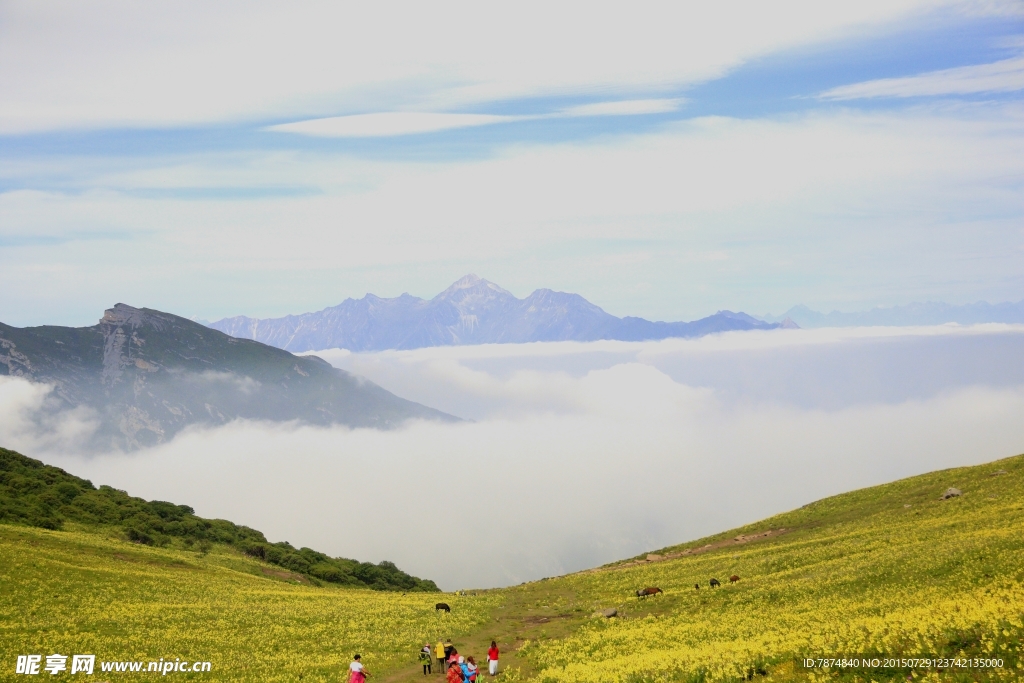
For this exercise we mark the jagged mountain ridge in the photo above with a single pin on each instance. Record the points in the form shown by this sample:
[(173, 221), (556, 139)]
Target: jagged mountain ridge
[(470, 311), (146, 375)]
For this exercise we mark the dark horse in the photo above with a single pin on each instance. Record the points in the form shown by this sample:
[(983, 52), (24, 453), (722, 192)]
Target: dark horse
[(443, 606), (715, 583), (653, 590)]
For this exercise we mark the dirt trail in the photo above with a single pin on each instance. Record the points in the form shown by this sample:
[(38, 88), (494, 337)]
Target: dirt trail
[(526, 616)]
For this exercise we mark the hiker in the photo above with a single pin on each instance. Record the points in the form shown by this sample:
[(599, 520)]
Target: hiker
[(453, 658), (358, 671), (450, 653), (454, 673), (425, 659), (439, 654), (471, 668), (492, 659), (465, 668)]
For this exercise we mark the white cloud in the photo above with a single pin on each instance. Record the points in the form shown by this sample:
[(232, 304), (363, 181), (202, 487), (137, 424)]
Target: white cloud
[(587, 453), (804, 368), (34, 421), (120, 63), (1003, 76), (384, 124), (388, 123), (624, 108)]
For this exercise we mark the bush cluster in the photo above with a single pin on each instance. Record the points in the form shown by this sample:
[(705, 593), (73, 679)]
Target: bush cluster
[(36, 494)]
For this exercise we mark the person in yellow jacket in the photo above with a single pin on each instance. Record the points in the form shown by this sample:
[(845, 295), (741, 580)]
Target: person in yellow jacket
[(439, 653)]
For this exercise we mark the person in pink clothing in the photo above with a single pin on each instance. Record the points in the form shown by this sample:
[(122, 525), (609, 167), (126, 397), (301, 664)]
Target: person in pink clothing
[(358, 672)]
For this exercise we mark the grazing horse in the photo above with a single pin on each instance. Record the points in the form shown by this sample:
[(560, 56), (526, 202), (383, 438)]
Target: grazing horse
[(653, 590), (715, 583), (733, 578), (443, 606)]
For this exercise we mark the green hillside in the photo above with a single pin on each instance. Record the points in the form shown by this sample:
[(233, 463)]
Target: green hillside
[(891, 572), (39, 495)]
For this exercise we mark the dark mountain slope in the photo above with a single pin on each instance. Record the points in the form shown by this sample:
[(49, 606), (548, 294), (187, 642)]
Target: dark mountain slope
[(471, 311), (148, 374)]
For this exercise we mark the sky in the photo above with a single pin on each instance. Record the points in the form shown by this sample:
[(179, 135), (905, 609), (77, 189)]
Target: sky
[(667, 161), (578, 454)]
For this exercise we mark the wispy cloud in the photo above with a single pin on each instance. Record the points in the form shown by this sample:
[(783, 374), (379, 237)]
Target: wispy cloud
[(165, 64), (624, 108), (1002, 76), (386, 124), (851, 202)]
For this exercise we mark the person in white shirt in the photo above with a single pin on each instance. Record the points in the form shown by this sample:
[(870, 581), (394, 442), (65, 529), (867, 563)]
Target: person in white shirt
[(358, 671)]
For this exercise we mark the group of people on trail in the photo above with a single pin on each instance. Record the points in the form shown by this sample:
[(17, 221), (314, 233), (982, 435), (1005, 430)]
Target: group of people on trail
[(457, 669)]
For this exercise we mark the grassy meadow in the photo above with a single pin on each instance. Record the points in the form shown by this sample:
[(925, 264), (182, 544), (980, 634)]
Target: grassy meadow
[(889, 571), (71, 592)]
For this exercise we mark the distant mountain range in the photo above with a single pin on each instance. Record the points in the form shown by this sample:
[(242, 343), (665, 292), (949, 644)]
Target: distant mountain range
[(147, 375), (471, 311), (930, 313)]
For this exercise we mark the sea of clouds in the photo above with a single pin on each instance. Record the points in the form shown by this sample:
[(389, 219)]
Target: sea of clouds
[(576, 454)]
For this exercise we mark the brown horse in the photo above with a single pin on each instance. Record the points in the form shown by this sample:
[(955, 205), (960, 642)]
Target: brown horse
[(733, 578), (647, 592)]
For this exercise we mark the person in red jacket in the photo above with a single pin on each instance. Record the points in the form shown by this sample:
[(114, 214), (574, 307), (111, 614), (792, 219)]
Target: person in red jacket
[(455, 674), (492, 659)]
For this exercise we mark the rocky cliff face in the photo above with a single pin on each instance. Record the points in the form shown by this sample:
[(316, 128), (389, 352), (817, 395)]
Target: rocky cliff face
[(471, 311), (147, 375)]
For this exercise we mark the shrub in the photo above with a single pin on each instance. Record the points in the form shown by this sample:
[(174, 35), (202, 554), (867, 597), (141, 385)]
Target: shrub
[(136, 536)]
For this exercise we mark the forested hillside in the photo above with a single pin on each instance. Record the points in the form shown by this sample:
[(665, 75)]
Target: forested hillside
[(35, 494)]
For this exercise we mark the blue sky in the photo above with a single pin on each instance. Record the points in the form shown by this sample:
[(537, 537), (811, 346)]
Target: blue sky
[(666, 162)]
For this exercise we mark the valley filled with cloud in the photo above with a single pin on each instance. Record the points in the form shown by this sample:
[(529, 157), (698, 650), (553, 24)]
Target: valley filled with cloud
[(668, 162), (575, 454)]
